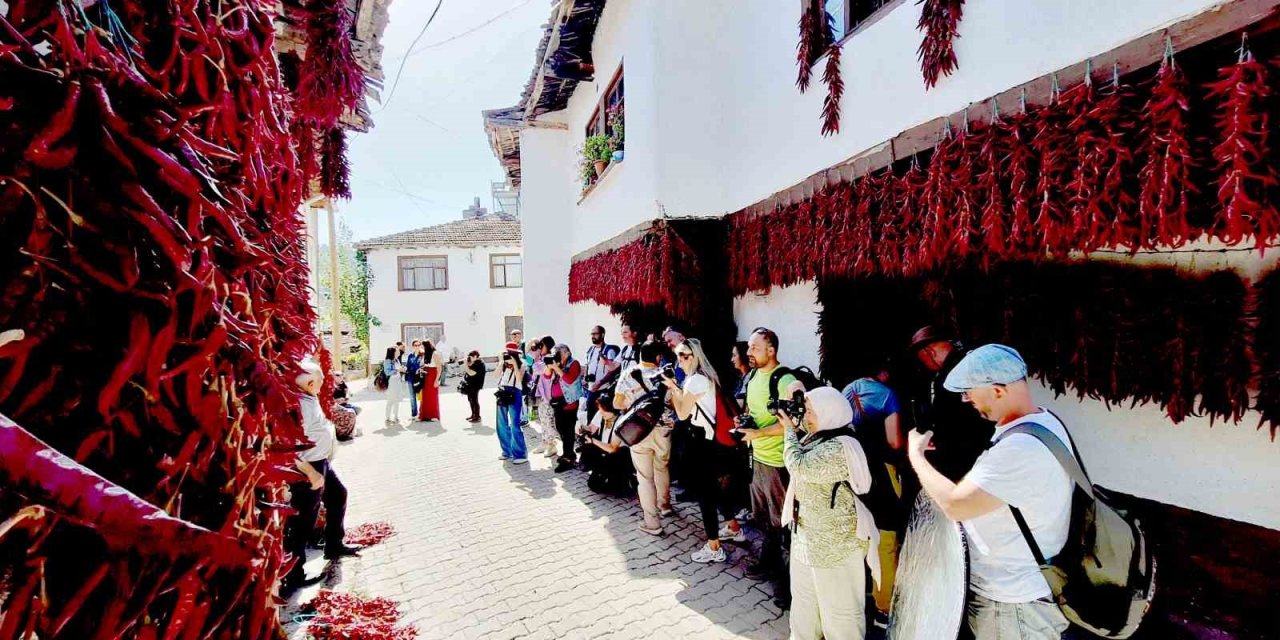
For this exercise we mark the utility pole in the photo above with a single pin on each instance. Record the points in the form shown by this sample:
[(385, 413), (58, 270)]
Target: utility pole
[(333, 283)]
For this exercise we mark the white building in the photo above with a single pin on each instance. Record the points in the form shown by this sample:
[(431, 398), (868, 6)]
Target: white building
[(459, 283), (714, 125)]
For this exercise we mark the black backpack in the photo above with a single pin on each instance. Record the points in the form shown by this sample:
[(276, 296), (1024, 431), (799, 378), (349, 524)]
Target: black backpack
[(805, 375)]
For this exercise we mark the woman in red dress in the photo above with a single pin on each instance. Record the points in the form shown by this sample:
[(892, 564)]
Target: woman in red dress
[(432, 366)]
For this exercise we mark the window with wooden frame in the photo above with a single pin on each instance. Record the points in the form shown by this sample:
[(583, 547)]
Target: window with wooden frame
[(433, 331), (848, 16), (505, 271), (423, 273), (611, 102)]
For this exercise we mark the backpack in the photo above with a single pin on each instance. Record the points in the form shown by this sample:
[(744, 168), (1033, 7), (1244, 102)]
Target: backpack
[(1104, 578), (805, 375), (880, 499), (380, 380)]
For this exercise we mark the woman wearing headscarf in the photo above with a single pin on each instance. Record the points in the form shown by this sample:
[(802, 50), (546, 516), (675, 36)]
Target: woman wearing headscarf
[(832, 527)]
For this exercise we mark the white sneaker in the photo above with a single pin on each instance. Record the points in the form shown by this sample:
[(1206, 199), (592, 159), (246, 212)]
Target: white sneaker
[(538, 449), (520, 461), (729, 535), (504, 457), (707, 555), (743, 515)]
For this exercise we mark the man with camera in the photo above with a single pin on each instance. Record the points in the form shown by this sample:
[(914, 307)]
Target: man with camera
[(595, 372), (760, 428), (651, 455)]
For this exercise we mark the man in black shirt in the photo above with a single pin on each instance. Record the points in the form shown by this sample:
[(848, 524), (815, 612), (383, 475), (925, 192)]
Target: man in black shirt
[(960, 432), (473, 382)]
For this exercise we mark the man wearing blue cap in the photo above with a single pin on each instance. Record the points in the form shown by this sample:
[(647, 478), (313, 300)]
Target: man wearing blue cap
[(1008, 597)]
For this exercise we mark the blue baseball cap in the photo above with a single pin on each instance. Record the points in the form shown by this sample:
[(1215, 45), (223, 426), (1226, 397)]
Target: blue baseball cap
[(988, 365)]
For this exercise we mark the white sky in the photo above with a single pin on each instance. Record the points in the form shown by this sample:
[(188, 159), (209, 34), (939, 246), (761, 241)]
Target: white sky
[(427, 155)]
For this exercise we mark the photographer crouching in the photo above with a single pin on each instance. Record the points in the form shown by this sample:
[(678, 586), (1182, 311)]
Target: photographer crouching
[(565, 374)]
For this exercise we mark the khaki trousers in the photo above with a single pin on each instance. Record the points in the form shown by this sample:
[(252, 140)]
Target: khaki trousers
[(991, 620), (828, 603), (650, 459)]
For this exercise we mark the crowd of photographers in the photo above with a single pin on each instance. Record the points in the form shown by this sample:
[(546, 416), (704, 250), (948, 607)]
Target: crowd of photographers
[(827, 476)]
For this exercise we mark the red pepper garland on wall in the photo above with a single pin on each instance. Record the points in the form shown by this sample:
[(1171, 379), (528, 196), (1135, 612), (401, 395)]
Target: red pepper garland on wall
[(657, 269), (1109, 167)]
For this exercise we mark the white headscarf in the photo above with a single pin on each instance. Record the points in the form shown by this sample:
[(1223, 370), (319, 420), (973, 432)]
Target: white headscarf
[(831, 410)]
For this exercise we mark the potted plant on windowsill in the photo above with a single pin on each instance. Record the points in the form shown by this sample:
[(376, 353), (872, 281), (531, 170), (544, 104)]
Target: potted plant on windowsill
[(596, 149), (616, 137)]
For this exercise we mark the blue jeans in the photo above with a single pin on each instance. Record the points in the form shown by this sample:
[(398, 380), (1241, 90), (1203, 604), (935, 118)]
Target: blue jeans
[(413, 403), (510, 437)]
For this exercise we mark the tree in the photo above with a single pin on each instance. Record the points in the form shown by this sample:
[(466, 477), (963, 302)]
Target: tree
[(354, 278)]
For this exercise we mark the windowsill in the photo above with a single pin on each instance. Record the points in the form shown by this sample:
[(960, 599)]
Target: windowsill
[(592, 187), (866, 23)]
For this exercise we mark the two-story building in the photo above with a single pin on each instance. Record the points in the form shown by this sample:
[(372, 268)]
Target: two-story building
[(459, 283), (722, 156)]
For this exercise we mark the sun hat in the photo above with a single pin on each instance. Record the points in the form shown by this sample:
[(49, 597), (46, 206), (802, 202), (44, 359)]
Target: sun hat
[(926, 336)]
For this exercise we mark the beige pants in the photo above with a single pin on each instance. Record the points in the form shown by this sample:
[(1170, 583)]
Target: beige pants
[(991, 620), (650, 459), (828, 603)]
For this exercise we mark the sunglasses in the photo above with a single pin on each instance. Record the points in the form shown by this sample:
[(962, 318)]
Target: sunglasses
[(685, 355)]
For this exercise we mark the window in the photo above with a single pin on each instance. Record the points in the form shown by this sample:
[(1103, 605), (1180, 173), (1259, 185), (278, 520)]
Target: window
[(505, 271), (433, 331), (611, 103), (424, 273), (847, 16)]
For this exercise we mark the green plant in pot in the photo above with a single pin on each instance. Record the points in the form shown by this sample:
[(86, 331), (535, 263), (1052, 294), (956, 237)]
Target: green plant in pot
[(596, 149), (617, 138)]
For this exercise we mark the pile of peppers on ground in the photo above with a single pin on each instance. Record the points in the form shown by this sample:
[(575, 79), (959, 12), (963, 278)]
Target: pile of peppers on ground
[(152, 251)]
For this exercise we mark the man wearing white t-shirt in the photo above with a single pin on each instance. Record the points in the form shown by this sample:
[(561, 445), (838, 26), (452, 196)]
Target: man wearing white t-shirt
[(1008, 597)]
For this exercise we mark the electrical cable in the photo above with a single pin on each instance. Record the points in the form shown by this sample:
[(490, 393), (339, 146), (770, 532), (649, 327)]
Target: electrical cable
[(470, 31), (391, 94)]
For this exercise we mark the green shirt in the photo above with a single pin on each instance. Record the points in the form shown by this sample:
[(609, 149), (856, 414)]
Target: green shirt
[(766, 449)]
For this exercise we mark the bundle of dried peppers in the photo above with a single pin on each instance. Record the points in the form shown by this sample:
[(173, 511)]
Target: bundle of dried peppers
[(152, 250)]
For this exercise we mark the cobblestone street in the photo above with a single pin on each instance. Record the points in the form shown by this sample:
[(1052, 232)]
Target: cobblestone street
[(487, 549)]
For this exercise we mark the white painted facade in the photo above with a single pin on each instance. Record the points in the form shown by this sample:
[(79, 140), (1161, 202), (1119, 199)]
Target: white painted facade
[(714, 123), (472, 313)]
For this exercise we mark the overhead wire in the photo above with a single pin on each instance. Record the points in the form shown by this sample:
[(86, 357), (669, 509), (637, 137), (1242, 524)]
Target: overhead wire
[(391, 94), (468, 32)]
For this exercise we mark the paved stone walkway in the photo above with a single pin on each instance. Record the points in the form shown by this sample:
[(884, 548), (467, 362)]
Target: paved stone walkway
[(487, 549)]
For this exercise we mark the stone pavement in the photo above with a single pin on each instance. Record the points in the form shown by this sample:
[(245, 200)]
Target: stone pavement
[(488, 549)]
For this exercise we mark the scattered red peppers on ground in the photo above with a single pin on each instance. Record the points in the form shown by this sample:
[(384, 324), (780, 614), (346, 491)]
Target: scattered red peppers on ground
[(370, 533), (345, 616)]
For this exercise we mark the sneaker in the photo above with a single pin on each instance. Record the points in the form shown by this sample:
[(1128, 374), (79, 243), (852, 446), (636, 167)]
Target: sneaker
[(743, 516), (880, 619), (504, 457), (565, 465), (520, 461), (729, 535), (707, 555), (551, 451), (537, 449)]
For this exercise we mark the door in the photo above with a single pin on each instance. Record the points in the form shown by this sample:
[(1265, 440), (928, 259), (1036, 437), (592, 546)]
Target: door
[(512, 323)]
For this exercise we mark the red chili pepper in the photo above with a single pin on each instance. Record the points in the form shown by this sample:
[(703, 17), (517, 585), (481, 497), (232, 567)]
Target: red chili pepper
[(135, 356), (40, 152)]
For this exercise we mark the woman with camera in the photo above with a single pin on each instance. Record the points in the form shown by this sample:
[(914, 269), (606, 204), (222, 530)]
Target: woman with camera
[(565, 393), (508, 395), (833, 528), (472, 383), (696, 401), (431, 371)]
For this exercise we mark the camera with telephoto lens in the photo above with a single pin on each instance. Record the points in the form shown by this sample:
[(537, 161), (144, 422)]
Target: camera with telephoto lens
[(668, 371), (794, 408)]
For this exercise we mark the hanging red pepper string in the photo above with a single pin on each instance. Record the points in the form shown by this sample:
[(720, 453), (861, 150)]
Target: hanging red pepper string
[(835, 91), (1165, 185), (989, 169), (1244, 154), (811, 21), (939, 20), (331, 83), (1055, 148)]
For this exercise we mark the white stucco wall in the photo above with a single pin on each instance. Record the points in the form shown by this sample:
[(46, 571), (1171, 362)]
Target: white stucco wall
[(715, 123), (792, 313), (473, 314)]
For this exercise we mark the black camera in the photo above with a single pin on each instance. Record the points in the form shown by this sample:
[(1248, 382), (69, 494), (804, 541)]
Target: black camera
[(745, 421), (548, 360), (591, 378), (793, 407), (668, 371)]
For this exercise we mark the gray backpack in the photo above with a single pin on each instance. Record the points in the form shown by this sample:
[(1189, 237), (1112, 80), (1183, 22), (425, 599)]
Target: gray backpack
[(1104, 578)]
